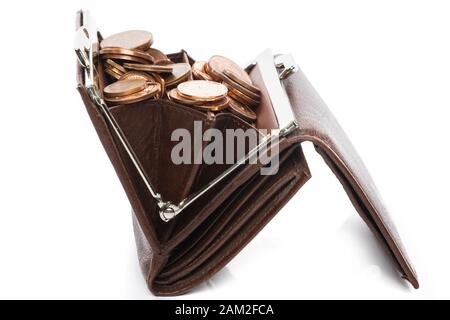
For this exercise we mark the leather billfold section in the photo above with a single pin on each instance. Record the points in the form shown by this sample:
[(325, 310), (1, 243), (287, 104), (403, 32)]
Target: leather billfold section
[(179, 253)]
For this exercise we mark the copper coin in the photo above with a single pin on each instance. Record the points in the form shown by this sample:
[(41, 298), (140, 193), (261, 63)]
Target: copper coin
[(181, 72), (162, 83), (247, 85), (124, 58), (134, 39), (202, 90), (115, 70), (239, 96), (163, 62), (198, 70), (115, 65), (148, 68), (242, 111), (124, 87), (176, 97), (139, 75), (216, 106), (113, 74), (150, 91), (158, 56), (217, 64), (237, 86), (127, 52)]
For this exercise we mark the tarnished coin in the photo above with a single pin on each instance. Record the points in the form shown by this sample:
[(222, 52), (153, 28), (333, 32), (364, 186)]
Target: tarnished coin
[(159, 57), (124, 58), (148, 68), (113, 73), (248, 85), (215, 106), (127, 52), (198, 70), (117, 71), (217, 64), (237, 86), (151, 90), (236, 95), (242, 111), (139, 75), (115, 65), (202, 90), (181, 72), (123, 88), (134, 39)]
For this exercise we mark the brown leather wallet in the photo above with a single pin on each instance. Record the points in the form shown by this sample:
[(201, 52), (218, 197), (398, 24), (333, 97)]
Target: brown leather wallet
[(178, 255)]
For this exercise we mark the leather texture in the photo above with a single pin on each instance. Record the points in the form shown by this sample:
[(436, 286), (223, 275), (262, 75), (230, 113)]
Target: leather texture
[(176, 257), (318, 125)]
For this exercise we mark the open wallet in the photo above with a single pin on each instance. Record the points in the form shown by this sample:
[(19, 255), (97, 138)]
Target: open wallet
[(190, 220)]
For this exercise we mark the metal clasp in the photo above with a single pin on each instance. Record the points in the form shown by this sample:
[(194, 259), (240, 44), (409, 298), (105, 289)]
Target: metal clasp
[(285, 64)]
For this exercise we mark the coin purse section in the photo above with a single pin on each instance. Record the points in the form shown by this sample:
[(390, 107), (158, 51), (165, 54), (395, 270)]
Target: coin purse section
[(236, 211), (210, 232), (148, 126)]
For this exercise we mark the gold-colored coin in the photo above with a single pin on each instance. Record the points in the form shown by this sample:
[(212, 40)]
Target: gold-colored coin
[(237, 86), (148, 68), (217, 64), (127, 52), (198, 70), (117, 71), (123, 88), (115, 65), (159, 57), (242, 111), (174, 96), (180, 73), (247, 85), (202, 90), (124, 58), (139, 75), (162, 83), (113, 74), (151, 90), (134, 39), (236, 95), (215, 106)]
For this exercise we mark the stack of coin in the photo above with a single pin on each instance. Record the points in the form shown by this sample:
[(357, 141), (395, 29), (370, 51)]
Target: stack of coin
[(130, 91), (138, 72), (243, 95), (201, 94)]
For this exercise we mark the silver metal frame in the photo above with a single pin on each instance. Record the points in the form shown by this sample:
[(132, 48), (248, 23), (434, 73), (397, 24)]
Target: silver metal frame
[(273, 69)]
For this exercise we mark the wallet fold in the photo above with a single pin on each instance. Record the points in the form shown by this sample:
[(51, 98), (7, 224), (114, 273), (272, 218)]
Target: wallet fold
[(318, 125)]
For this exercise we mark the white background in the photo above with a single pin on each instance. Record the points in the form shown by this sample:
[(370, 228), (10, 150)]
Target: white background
[(383, 67)]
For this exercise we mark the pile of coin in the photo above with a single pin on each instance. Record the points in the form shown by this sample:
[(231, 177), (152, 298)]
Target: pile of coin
[(201, 94), (139, 72), (243, 95)]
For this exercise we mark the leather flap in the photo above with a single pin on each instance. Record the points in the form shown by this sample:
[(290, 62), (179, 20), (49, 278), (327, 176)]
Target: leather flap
[(318, 125)]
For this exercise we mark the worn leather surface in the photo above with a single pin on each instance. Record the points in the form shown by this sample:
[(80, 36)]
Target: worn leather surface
[(318, 125), (175, 257)]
